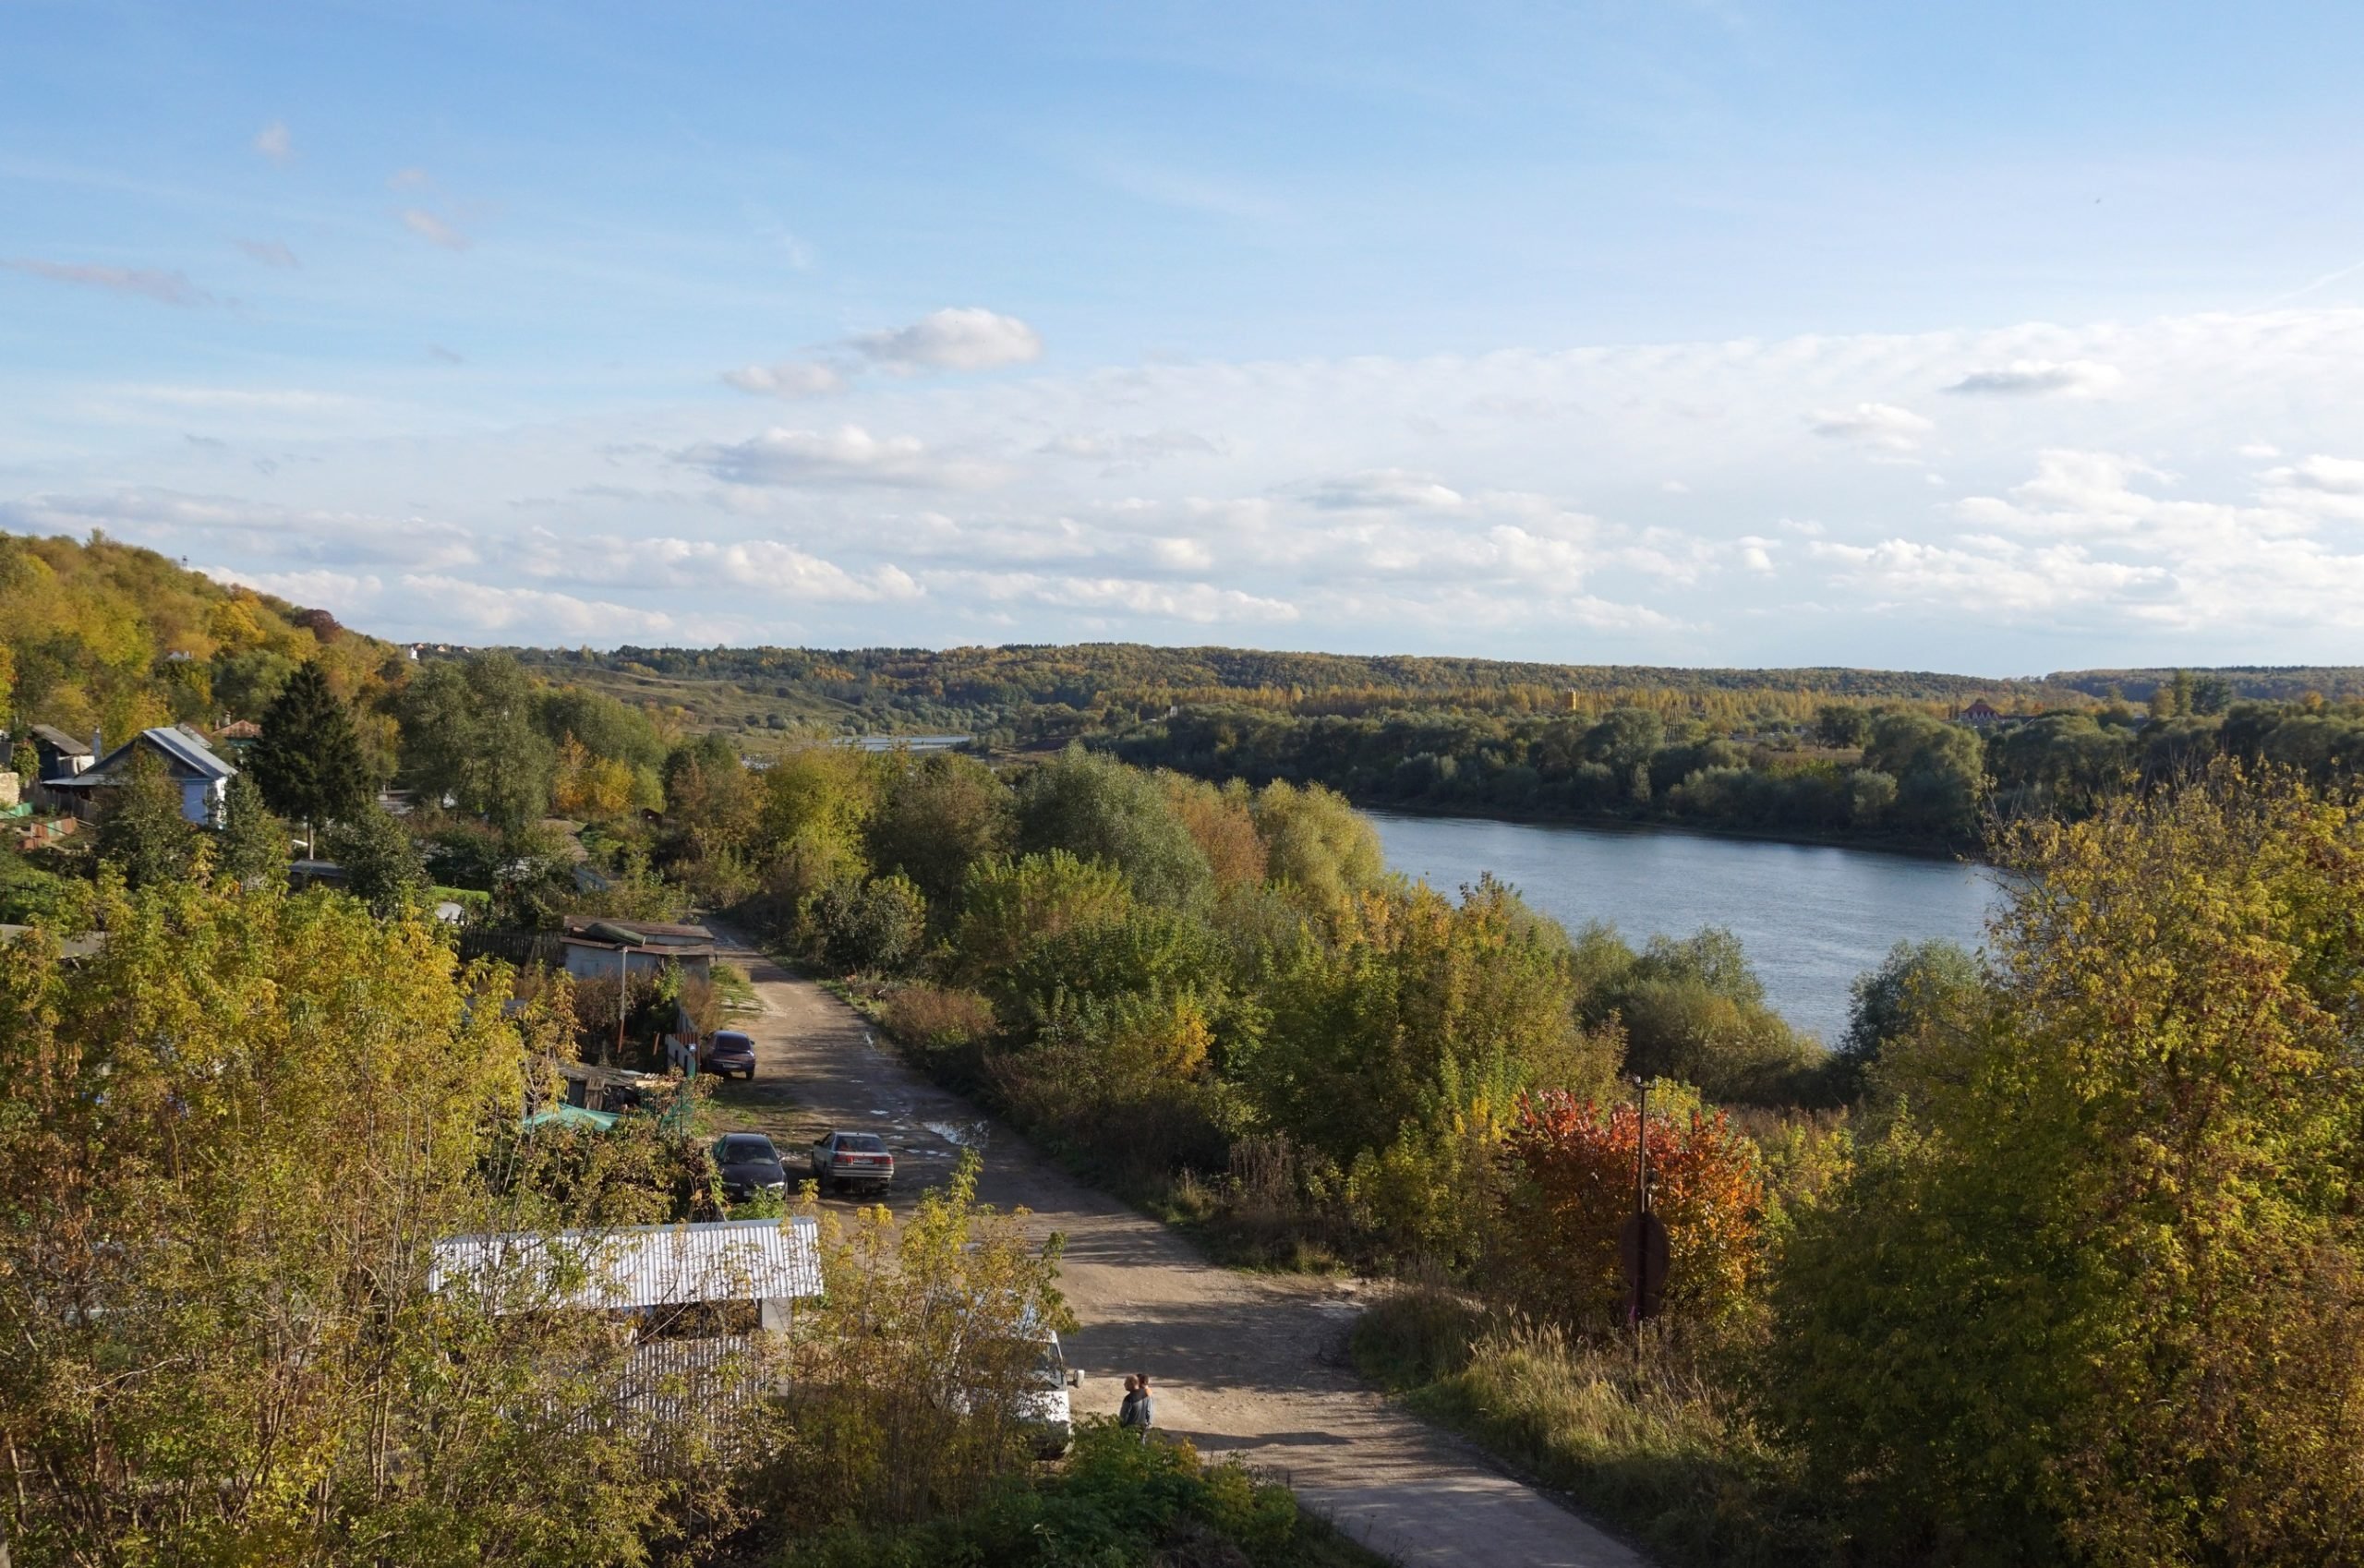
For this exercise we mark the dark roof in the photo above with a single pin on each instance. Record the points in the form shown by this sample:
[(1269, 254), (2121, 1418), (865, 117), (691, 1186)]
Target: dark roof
[(184, 749), (59, 741), (655, 932)]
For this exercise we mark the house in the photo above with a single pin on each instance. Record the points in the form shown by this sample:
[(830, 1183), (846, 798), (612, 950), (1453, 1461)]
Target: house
[(601, 949), (232, 739), (57, 754), (202, 777), (1980, 715)]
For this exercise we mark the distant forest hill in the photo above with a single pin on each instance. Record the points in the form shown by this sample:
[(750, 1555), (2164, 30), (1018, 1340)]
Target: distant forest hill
[(1037, 689), (2247, 682)]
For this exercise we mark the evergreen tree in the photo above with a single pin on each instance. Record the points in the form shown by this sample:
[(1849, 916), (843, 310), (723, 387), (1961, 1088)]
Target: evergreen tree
[(252, 845), (144, 834), (308, 761)]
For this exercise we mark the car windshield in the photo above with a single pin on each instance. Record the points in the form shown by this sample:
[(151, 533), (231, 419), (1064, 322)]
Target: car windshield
[(729, 1040), (861, 1144), (736, 1151)]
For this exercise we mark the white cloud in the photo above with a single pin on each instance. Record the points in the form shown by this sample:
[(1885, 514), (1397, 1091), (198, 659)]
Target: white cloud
[(789, 378), (270, 252), (1198, 603), (2331, 475), (343, 594), (434, 229), (2260, 450), (2042, 378), (847, 454), (957, 339), (1384, 488), (534, 612), (768, 566), (149, 283), (1138, 447), (410, 179), (273, 142), (1880, 424)]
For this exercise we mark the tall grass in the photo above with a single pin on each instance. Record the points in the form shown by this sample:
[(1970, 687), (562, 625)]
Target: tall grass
[(1651, 1434)]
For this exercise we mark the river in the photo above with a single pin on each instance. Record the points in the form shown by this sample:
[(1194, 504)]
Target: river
[(1813, 917)]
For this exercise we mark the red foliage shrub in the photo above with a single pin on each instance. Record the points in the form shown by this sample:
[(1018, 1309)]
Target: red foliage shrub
[(1706, 1187)]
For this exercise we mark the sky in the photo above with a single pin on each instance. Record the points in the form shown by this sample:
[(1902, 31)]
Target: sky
[(2001, 339)]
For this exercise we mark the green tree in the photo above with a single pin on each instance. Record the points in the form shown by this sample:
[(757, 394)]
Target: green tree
[(1842, 724), (308, 761), (2093, 1300), (1918, 986), (469, 734), (143, 834), (937, 817), (253, 843), (877, 926), (1097, 808), (229, 1138), (1316, 842), (382, 865)]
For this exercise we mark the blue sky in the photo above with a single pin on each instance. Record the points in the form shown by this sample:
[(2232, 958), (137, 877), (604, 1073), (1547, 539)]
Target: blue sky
[(2011, 339)]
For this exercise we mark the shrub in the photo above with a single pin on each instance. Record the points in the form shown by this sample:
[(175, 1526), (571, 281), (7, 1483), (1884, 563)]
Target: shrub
[(1576, 1162), (875, 927)]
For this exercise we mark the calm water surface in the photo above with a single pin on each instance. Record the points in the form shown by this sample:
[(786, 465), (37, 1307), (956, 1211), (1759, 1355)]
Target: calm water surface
[(1812, 917)]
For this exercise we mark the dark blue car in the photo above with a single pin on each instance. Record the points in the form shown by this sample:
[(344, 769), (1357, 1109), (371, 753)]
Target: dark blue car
[(727, 1051)]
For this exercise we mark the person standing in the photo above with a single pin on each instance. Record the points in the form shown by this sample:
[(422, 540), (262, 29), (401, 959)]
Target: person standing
[(1143, 1415), (1132, 1408)]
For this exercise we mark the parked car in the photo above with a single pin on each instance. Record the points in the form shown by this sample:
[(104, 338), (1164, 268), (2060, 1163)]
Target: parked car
[(840, 1159), (748, 1165), (727, 1051), (1043, 1406)]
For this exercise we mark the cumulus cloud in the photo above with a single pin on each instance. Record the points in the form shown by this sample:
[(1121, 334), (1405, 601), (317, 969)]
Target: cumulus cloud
[(965, 338), (1880, 424), (1384, 488), (2331, 475), (434, 229), (847, 455), (344, 593), (148, 282), (270, 536), (789, 378), (774, 569), (2042, 378), (1198, 603), (534, 612), (273, 142)]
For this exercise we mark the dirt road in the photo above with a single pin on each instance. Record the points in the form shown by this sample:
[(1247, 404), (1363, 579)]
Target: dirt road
[(1242, 1363)]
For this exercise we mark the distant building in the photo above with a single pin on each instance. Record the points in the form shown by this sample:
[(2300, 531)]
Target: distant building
[(232, 739), (600, 949), (57, 754), (202, 776), (1980, 715)]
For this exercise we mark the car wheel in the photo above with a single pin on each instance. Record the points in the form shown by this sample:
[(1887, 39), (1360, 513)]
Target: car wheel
[(750, 1075)]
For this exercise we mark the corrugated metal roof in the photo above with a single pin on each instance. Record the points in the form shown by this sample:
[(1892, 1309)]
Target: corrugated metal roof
[(59, 741), (644, 1266), (189, 749)]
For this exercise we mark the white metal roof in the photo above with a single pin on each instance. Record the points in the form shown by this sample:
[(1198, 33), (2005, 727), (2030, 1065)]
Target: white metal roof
[(644, 1266)]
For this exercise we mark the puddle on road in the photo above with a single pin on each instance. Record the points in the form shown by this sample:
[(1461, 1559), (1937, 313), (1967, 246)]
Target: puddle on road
[(964, 1135)]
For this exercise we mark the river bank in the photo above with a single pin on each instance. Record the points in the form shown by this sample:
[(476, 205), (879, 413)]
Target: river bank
[(1811, 917)]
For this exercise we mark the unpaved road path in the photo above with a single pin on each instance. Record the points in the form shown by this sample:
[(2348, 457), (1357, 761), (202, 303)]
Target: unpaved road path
[(1242, 1363)]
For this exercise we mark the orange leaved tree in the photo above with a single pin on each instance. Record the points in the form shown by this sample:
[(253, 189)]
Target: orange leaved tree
[(1575, 1162)]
